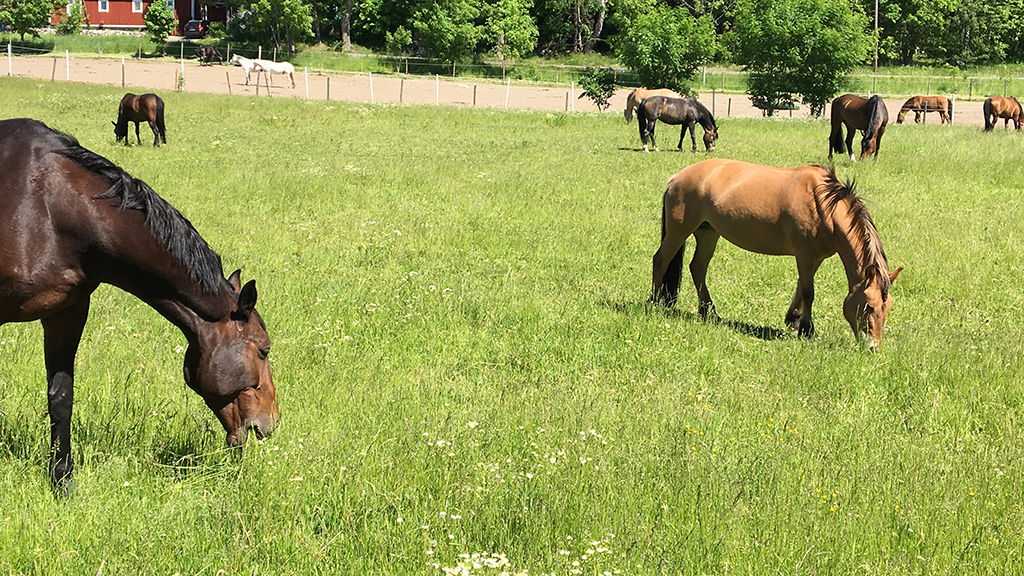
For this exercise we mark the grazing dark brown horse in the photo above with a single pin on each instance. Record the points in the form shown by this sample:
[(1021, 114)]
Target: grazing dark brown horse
[(685, 111), (922, 105), (804, 212), (208, 54), (868, 115), (634, 98), (71, 220), (146, 108), (998, 107)]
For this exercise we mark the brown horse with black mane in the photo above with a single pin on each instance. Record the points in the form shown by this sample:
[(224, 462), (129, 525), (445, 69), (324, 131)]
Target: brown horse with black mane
[(804, 212), (640, 94), (71, 220), (922, 105), (998, 107), (868, 115), (145, 108)]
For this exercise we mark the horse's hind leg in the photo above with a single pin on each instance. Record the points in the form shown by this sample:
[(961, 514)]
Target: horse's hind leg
[(156, 133), (138, 138), (62, 333), (707, 239)]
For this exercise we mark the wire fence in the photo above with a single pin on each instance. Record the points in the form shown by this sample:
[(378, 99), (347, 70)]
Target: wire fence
[(963, 86)]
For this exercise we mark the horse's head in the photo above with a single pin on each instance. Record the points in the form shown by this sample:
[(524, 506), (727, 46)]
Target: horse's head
[(902, 114), (868, 303), (120, 130), (235, 59), (710, 137), (227, 365)]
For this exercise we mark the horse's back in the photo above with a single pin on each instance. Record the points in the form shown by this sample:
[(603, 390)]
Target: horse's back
[(759, 208)]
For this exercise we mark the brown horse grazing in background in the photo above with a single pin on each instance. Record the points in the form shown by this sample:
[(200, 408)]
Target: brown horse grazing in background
[(866, 114), (71, 220), (922, 105), (685, 111), (998, 107), (640, 94), (146, 108), (804, 212)]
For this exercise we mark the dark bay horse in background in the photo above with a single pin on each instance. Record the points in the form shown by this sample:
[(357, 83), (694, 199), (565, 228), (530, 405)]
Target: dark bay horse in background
[(922, 105), (208, 55), (145, 108), (998, 107), (685, 111), (71, 220), (868, 115), (640, 94), (804, 212)]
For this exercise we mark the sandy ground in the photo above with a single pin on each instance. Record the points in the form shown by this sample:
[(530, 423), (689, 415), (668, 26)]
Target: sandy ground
[(229, 79)]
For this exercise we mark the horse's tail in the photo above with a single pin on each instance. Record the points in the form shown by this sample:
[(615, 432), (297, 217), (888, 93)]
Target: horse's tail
[(987, 110), (835, 137), (874, 114), (669, 292), (630, 104), (160, 120), (643, 121)]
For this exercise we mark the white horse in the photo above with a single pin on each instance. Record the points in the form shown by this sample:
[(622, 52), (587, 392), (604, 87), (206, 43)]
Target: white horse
[(247, 66), (271, 67)]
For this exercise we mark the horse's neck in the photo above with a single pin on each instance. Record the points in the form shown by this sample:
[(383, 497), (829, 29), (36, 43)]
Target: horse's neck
[(850, 243)]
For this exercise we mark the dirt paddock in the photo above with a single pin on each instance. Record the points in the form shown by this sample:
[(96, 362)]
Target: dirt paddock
[(228, 79)]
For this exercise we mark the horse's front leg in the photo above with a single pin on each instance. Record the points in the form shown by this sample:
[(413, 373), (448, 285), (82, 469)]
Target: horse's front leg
[(798, 317), (707, 239), (62, 333), (851, 133), (693, 138)]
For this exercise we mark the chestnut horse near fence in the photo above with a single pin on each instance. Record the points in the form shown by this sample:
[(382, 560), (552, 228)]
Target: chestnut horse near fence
[(685, 111), (998, 107), (145, 108), (804, 212), (71, 220), (922, 105), (640, 94), (868, 115)]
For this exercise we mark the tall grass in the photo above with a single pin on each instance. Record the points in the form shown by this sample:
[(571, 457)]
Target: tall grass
[(466, 364)]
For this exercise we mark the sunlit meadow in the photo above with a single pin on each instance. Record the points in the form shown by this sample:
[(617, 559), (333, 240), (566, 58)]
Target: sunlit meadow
[(470, 379)]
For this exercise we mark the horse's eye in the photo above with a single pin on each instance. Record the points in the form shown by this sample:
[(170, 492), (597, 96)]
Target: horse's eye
[(264, 352)]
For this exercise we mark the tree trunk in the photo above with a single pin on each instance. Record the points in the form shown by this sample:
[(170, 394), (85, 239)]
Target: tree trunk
[(595, 32), (346, 28), (577, 26)]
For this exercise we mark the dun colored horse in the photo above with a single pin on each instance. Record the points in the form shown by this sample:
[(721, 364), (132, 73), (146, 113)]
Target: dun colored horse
[(685, 111), (998, 107), (804, 212), (71, 220), (922, 105), (868, 115), (146, 108), (640, 94)]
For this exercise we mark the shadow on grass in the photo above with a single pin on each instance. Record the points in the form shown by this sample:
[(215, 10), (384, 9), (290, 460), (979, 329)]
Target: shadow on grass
[(766, 333)]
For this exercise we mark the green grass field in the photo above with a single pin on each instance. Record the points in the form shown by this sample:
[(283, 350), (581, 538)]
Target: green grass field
[(466, 365)]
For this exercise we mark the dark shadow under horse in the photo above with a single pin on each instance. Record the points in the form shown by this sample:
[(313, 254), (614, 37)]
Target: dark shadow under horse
[(71, 220), (145, 108), (685, 111), (869, 115)]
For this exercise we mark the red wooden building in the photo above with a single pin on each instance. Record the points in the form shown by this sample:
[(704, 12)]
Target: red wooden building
[(127, 14)]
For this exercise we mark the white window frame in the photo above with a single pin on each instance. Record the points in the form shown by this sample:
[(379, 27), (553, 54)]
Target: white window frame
[(170, 4), (137, 6), (103, 5)]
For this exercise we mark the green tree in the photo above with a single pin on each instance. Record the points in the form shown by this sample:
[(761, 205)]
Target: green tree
[(448, 29), (666, 46), (160, 22), (25, 16), (805, 47), (276, 22), (598, 84), (511, 29), (979, 32), (73, 19), (911, 27)]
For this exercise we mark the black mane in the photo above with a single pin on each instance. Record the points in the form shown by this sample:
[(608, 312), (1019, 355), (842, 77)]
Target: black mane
[(170, 229)]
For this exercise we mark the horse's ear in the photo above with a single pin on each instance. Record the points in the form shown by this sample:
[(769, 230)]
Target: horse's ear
[(236, 280), (894, 274), (247, 299), (114, 123)]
